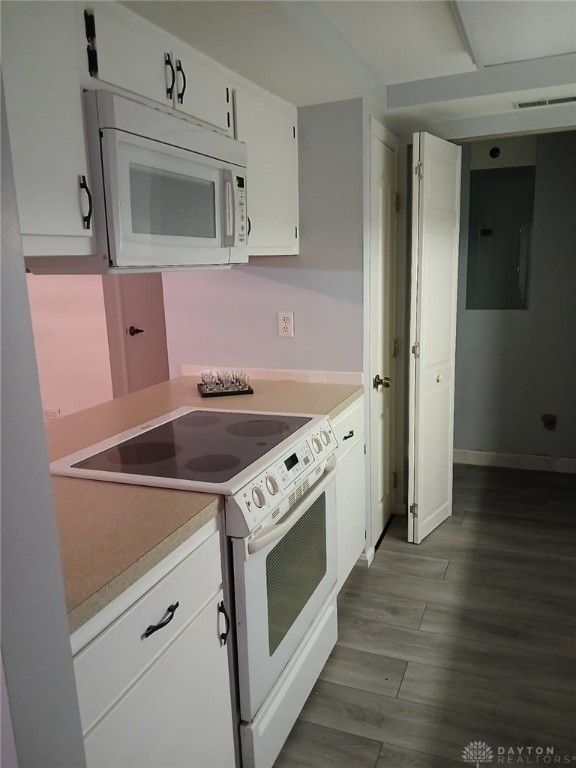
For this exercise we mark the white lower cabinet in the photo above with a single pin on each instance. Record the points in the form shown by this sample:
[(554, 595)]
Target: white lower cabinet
[(350, 488), (162, 700), (175, 714)]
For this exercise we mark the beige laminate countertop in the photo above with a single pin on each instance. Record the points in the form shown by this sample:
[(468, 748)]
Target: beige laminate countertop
[(113, 533)]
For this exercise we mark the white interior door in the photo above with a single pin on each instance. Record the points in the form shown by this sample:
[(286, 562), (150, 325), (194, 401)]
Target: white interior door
[(381, 327), (435, 228), (136, 331)]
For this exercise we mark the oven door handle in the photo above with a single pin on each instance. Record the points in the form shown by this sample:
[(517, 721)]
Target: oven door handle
[(280, 529)]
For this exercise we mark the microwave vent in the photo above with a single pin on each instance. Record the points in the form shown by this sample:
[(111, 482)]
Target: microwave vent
[(544, 102)]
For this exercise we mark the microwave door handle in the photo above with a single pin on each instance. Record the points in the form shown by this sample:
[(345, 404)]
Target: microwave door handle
[(279, 530), (229, 210)]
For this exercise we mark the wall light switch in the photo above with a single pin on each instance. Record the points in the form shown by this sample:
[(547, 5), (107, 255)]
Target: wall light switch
[(286, 324)]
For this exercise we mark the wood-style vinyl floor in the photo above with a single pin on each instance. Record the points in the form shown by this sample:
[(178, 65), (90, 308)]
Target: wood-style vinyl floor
[(467, 637)]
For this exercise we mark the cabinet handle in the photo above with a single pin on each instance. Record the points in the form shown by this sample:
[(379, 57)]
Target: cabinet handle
[(249, 226), (181, 71), (349, 435), (86, 220), (170, 88), (171, 610), (224, 635)]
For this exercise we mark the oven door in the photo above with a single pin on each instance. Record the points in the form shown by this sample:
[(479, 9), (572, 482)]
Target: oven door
[(282, 579)]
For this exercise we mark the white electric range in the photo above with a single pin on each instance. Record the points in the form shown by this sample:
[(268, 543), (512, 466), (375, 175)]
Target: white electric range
[(277, 475)]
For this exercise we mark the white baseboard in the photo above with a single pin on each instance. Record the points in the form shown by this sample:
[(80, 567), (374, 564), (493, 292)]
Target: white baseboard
[(516, 461), (276, 374), (366, 557)]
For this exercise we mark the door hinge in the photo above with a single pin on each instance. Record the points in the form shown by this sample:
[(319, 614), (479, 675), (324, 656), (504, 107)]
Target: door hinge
[(416, 349), (414, 510), (397, 202), (90, 27), (419, 170), (394, 479), (395, 348)]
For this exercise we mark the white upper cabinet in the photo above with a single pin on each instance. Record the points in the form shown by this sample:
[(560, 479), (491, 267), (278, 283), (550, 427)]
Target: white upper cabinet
[(40, 44), (269, 128), (201, 92), (132, 54)]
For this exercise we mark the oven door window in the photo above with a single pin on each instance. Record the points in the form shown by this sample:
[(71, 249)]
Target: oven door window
[(294, 569)]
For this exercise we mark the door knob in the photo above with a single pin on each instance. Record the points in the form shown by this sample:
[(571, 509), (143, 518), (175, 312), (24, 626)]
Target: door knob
[(378, 382), (134, 331)]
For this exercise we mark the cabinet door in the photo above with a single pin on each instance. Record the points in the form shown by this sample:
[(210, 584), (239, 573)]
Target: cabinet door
[(133, 56), (141, 58), (350, 509), (45, 121), (179, 713), (202, 92), (269, 130)]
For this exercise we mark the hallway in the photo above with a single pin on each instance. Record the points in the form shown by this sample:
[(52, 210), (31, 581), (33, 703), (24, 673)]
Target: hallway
[(468, 637)]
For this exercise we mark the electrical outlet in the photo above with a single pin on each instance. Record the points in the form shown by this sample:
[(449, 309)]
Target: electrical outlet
[(286, 324)]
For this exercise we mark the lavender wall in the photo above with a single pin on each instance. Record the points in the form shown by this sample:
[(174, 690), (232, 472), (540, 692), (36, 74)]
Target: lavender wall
[(230, 317)]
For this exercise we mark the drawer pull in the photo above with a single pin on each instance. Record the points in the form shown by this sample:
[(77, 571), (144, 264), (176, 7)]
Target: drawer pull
[(224, 635), (171, 610), (349, 435)]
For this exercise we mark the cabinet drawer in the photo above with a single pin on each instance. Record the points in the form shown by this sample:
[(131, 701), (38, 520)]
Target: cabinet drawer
[(348, 427), (117, 657)]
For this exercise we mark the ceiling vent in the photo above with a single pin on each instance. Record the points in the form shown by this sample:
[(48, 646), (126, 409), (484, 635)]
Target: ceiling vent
[(544, 102)]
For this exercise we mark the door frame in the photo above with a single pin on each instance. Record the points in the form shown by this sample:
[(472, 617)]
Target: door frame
[(373, 127)]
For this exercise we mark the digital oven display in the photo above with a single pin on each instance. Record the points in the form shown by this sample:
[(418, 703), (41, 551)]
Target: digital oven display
[(291, 461)]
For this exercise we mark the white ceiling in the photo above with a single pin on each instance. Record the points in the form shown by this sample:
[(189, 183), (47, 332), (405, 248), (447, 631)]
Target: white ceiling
[(426, 62)]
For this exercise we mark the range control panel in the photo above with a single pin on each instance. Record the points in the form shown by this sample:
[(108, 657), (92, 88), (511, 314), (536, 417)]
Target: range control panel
[(247, 509)]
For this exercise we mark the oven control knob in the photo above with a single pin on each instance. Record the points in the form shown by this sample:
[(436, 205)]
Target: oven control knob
[(272, 485), (325, 437), (258, 496), (316, 444)]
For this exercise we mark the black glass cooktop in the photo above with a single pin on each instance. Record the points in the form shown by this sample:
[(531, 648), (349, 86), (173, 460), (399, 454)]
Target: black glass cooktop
[(203, 446)]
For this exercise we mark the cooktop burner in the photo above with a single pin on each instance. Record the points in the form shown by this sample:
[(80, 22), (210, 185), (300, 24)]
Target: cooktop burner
[(199, 446)]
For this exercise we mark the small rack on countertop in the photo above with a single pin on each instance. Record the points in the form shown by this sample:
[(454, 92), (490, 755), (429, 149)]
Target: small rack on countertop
[(224, 383), (217, 390)]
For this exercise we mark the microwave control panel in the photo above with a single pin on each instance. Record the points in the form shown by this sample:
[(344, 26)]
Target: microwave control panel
[(242, 218)]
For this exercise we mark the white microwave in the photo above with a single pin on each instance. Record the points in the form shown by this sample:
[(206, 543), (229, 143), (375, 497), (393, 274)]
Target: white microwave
[(166, 192)]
